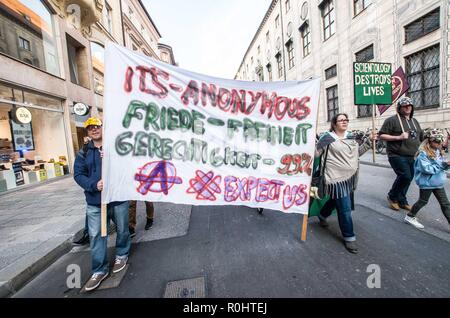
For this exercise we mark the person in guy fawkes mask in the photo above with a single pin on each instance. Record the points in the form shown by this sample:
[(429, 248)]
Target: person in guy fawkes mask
[(403, 136)]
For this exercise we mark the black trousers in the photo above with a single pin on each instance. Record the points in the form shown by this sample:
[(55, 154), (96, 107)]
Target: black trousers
[(425, 194)]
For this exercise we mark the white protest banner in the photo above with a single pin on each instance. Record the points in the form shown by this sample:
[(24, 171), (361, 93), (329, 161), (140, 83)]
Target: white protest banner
[(176, 136)]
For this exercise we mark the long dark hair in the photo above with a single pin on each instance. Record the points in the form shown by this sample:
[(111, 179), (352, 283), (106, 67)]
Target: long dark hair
[(333, 121)]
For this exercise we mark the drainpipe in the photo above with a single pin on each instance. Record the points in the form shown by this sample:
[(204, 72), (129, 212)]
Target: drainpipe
[(121, 20), (282, 40)]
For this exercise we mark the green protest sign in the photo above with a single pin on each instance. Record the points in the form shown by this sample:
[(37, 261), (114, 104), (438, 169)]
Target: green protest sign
[(372, 83)]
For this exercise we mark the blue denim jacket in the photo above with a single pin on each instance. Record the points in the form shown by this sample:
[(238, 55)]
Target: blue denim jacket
[(430, 173)]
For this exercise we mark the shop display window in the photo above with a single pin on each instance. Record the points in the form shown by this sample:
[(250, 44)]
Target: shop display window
[(35, 151)]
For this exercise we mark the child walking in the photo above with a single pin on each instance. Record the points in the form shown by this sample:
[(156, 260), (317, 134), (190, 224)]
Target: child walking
[(430, 175)]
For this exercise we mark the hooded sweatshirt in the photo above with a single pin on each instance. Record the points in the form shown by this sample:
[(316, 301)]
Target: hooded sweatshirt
[(403, 148)]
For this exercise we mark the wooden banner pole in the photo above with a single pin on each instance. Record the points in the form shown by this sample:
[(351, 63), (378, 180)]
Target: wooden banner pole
[(304, 226), (103, 220), (305, 216)]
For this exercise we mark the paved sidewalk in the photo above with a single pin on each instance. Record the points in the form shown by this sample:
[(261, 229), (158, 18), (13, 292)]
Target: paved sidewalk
[(36, 228), (381, 160)]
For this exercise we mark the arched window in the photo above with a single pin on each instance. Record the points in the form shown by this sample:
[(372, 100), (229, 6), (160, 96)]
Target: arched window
[(33, 21)]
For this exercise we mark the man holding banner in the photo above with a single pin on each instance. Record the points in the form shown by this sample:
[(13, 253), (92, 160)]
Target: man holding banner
[(87, 173)]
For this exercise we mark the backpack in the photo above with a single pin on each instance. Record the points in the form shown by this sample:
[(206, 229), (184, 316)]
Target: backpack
[(84, 150)]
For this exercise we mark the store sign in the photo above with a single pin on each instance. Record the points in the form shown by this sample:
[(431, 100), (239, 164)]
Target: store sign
[(18, 173), (80, 109), (22, 115), (22, 136), (372, 83)]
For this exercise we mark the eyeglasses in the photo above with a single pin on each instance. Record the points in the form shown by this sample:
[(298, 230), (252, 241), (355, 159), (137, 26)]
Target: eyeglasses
[(437, 141), (343, 120), (92, 127)]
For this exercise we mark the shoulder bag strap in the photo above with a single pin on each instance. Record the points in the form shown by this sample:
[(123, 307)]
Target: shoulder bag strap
[(401, 124), (322, 166)]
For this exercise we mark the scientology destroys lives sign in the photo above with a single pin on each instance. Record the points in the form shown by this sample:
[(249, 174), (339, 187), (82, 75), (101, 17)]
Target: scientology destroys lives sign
[(372, 83), (176, 136)]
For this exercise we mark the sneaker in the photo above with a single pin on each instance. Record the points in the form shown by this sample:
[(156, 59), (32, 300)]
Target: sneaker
[(393, 205), (119, 264), (351, 247), (260, 210), (83, 240), (95, 281), (413, 221), (323, 223), (132, 232), (148, 224), (406, 207)]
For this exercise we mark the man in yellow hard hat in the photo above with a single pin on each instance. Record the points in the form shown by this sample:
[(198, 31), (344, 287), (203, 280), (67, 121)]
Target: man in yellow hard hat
[(88, 174)]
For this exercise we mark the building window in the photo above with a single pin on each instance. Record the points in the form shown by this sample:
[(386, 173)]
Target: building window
[(331, 72), (306, 38), (360, 5), (28, 33), (365, 55), (422, 72), (259, 49), (260, 73), (24, 44), (267, 37), (269, 71), (98, 63), (277, 21), (77, 55), (422, 26), (332, 101), (290, 51), (280, 65), (328, 19), (288, 5), (107, 17)]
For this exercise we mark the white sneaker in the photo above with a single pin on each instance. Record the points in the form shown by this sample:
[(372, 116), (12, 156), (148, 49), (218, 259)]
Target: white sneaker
[(413, 221)]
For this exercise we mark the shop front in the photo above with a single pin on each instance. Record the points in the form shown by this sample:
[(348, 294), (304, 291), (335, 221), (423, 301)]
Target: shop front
[(33, 142)]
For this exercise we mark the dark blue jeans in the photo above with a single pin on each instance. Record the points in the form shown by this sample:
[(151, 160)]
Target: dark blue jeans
[(404, 169), (344, 212)]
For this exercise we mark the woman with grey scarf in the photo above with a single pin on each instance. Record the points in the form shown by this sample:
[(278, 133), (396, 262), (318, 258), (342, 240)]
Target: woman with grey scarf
[(342, 153)]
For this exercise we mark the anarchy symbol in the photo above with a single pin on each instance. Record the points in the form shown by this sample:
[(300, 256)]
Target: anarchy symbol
[(157, 176)]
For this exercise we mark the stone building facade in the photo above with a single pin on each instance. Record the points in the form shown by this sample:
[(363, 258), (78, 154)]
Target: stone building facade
[(52, 58), (300, 39)]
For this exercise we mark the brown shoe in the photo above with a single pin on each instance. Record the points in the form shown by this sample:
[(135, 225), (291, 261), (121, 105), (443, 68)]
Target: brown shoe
[(406, 207), (119, 264), (95, 281), (393, 205)]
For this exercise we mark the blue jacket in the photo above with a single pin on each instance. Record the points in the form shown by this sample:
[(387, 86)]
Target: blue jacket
[(430, 173), (88, 172)]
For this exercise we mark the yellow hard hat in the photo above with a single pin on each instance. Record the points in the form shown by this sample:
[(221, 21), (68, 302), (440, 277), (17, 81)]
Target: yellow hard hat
[(93, 121)]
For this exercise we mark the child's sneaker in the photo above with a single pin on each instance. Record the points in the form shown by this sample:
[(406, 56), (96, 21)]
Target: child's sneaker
[(413, 221)]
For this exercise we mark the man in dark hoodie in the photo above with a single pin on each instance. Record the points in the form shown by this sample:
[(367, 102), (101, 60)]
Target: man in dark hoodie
[(403, 136), (88, 174)]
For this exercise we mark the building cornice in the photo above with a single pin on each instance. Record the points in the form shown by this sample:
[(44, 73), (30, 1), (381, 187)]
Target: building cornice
[(263, 22), (148, 16), (137, 34)]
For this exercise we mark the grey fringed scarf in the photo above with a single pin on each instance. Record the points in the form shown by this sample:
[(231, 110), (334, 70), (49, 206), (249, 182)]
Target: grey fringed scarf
[(341, 169)]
